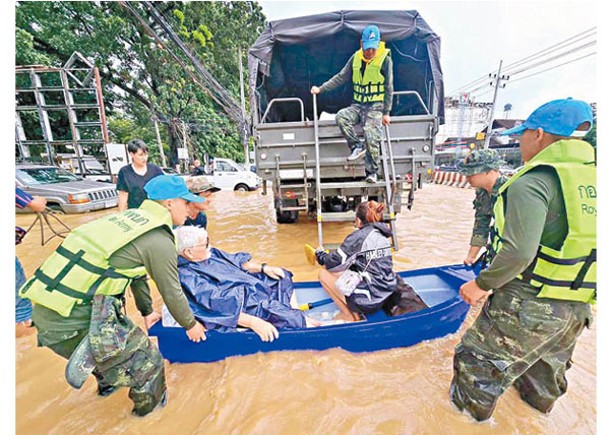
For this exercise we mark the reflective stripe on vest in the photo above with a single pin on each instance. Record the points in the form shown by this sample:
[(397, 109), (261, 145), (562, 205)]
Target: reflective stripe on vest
[(370, 87), (568, 273), (79, 268)]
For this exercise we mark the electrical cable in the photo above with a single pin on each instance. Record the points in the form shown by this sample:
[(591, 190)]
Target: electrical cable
[(569, 41)]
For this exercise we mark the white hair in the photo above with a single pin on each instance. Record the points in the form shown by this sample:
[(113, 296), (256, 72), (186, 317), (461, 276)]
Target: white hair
[(189, 236)]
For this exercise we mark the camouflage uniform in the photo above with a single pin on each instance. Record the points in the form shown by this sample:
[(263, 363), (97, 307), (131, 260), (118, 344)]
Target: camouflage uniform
[(371, 118), (476, 162), (483, 204), (370, 115), (116, 352), (519, 339), (527, 342)]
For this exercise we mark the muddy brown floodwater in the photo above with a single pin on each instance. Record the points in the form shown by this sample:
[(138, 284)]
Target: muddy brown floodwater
[(398, 391)]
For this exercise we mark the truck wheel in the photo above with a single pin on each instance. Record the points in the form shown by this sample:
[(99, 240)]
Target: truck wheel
[(242, 188), (286, 217)]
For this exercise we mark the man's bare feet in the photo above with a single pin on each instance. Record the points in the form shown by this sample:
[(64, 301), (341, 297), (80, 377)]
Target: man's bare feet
[(312, 323)]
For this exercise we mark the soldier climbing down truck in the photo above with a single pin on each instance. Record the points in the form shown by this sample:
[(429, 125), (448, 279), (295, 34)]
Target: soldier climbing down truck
[(301, 148)]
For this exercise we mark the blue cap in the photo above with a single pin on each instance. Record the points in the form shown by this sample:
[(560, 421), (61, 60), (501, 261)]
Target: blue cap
[(169, 187), (371, 37), (559, 117)]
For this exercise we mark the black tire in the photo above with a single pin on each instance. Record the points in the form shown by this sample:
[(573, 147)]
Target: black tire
[(286, 217), (242, 188)]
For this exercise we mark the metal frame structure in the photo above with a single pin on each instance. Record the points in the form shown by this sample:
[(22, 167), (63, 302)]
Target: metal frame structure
[(80, 99)]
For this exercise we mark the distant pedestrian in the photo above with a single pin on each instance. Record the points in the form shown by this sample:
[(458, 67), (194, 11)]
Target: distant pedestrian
[(370, 70), (133, 177), (197, 169), (542, 273), (481, 168)]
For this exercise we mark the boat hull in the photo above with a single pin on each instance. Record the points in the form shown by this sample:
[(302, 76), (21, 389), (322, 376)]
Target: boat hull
[(438, 287)]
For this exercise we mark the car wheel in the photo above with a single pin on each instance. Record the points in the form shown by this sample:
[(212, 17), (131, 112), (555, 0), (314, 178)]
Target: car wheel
[(242, 188), (56, 208)]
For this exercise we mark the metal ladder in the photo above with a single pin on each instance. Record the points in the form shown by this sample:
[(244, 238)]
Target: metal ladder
[(79, 79), (389, 182)]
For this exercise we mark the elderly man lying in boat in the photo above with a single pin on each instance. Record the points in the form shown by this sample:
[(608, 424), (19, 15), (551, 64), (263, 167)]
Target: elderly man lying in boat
[(226, 290)]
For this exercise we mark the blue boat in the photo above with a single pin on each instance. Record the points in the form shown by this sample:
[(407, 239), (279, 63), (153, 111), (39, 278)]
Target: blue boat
[(438, 287)]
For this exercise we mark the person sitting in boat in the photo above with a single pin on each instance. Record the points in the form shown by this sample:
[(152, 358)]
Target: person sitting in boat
[(358, 275), (230, 290)]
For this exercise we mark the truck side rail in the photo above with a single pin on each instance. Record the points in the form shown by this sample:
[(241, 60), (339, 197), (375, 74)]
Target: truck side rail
[(416, 94), (283, 100)]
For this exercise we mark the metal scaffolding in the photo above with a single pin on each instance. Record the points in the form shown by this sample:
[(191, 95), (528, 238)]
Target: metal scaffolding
[(60, 110)]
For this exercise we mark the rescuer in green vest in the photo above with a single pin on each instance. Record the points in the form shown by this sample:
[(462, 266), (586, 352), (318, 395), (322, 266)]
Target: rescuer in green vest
[(78, 295), (370, 70), (481, 169), (543, 269)]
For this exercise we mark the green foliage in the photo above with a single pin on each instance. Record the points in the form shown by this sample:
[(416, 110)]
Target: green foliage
[(141, 79)]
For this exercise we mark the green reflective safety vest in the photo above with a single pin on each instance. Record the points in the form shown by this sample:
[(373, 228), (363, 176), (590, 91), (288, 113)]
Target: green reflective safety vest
[(79, 268), (369, 87), (569, 273)]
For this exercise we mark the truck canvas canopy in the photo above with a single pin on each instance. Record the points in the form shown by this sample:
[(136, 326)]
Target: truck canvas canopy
[(294, 54)]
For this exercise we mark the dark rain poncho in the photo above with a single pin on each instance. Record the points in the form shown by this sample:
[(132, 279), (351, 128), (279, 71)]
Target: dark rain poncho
[(219, 289)]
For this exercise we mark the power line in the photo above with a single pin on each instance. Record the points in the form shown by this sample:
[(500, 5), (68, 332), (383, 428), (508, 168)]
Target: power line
[(569, 41), (554, 67), (581, 47), (555, 47)]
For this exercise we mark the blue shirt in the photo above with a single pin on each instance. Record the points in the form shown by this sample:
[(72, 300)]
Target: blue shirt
[(22, 199)]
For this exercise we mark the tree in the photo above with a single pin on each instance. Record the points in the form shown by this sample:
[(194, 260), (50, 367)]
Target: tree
[(141, 78)]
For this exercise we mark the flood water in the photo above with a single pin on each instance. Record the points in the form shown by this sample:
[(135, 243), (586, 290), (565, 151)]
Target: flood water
[(398, 391)]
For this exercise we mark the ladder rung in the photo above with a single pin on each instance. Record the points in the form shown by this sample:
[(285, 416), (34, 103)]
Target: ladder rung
[(291, 186), (346, 216), (84, 106), (338, 216), (88, 124), (348, 184)]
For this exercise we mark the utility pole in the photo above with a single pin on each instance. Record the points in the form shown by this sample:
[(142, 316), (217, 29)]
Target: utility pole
[(498, 78), (158, 141), (244, 135)]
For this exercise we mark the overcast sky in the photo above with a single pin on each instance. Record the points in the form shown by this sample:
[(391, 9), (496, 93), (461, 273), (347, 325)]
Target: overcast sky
[(477, 35)]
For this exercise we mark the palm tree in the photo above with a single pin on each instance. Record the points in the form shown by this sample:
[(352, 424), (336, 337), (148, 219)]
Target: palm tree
[(506, 110)]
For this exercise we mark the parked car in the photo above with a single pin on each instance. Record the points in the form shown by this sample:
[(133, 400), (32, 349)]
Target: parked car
[(229, 175), (94, 170), (65, 191)]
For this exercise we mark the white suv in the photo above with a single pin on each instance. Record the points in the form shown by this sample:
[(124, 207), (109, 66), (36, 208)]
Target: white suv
[(228, 175)]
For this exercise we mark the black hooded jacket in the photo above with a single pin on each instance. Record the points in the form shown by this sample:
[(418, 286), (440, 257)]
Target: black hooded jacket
[(368, 252)]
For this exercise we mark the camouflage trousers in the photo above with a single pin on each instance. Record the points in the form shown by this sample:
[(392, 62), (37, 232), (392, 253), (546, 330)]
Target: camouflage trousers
[(527, 343), (370, 116), (122, 353)]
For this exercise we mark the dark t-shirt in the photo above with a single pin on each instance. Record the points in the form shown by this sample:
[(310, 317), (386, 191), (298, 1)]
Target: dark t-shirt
[(199, 170), (200, 221), (133, 184)]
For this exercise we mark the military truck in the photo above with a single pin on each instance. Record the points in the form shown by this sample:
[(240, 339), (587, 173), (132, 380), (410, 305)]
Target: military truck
[(300, 150)]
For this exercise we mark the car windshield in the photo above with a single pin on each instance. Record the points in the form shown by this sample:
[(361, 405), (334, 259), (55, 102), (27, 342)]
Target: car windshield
[(44, 175)]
